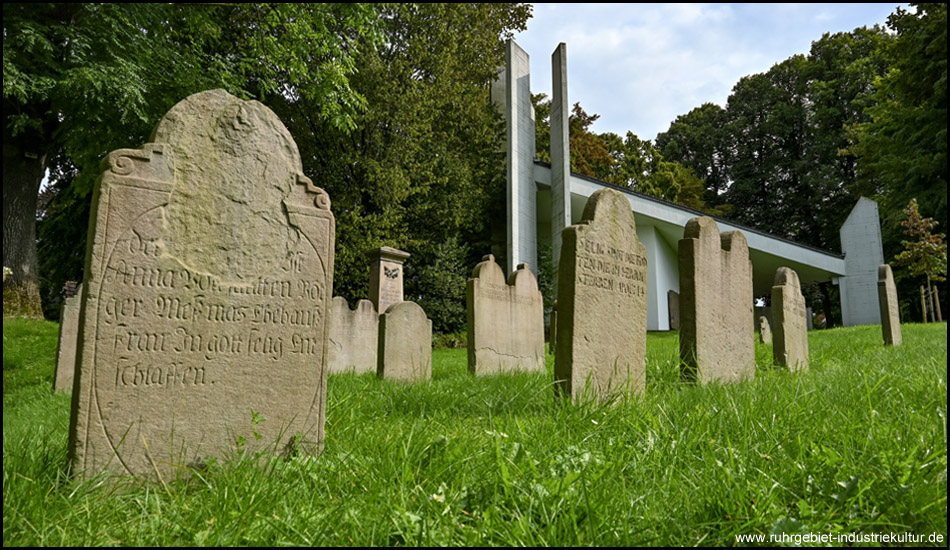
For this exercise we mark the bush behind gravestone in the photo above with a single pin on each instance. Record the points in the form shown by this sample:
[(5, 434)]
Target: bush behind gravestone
[(435, 279)]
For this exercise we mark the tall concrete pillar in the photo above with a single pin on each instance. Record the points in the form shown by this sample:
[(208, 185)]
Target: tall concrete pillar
[(560, 154), (863, 253), (522, 190)]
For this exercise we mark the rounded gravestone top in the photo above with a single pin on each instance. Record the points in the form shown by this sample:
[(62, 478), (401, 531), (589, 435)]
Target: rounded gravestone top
[(235, 163), (611, 205), (786, 276)]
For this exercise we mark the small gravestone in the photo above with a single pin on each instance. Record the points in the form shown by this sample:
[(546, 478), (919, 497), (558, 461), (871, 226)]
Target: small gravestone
[(790, 340), (405, 344), (505, 320), (716, 323), (385, 278), (673, 302), (354, 337), (890, 309), (208, 286), (552, 337), (68, 336), (765, 330), (602, 303)]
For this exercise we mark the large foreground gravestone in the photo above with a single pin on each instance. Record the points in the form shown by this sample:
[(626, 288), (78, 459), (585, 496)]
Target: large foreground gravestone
[(716, 338), (790, 334), (405, 344), (354, 337), (68, 339), (505, 320), (890, 309), (209, 276), (602, 303)]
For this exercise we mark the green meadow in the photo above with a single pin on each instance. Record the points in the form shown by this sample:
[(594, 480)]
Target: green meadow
[(856, 446)]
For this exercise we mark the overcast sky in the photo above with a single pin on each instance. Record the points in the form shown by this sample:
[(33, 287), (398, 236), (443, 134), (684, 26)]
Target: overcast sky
[(639, 66)]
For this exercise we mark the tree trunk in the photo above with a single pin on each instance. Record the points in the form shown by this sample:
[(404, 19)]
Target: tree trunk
[(923, 302), (930, 302), (23, 171), (937, 304)]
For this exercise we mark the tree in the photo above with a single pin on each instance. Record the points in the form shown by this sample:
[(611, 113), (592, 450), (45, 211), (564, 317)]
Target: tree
[(641, 167), (777, 154), (926, 255), (423, 170), (627, 162), (698, 141), (902, 148), (84, 79)]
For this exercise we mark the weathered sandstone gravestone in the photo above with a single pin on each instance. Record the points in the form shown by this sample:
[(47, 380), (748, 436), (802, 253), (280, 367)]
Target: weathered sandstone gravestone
[(716, 340), (765, 330), (405, 344), (354, 336), (68, 336), (209, 277), (790, 340), (505, 320), (673, 302), (385, 278), (890, 309), (602, 303)]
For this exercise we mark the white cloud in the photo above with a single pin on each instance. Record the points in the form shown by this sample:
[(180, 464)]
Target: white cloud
[(641, 65)]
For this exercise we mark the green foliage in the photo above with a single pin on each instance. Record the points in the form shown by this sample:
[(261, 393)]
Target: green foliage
[(436, 280), (80, 80), (902, 148), (628, 162), (424, 168), (927, 255), (488, 461), (74, 71), (777, 156), (696, 140)]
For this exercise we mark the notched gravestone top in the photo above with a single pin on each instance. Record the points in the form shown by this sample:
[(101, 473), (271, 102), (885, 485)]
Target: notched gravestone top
[(209, 277), (716, 318), (602, 303), (890, 308), (353, 336), (505, 320), (790, 338)]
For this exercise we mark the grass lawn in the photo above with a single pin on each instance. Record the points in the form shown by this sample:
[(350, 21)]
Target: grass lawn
[(856, 446)]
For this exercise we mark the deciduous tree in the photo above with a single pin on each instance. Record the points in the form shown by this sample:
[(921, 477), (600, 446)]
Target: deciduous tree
[(83, 79)]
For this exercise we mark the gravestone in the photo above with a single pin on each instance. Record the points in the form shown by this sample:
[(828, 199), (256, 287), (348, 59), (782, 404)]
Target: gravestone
[(890, 309), (68, 336), (505, 320), (405, 344), (602, 303), (354, 337), (552, 337), (765, 330), (790, 340), (208, 282), (385, 278), (716, 323), (673, 302)]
